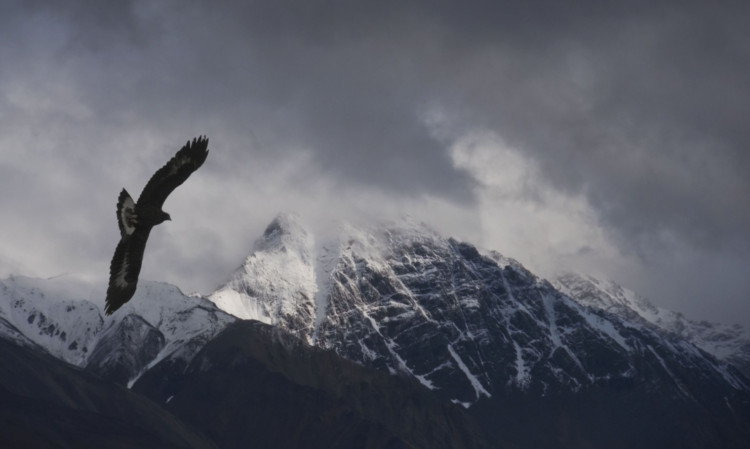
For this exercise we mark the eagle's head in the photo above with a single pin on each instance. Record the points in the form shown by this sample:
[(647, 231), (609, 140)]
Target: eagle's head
[(162, 217)]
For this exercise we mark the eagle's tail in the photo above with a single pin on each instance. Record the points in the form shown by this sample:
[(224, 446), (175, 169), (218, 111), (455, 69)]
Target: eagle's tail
[(126, 217)]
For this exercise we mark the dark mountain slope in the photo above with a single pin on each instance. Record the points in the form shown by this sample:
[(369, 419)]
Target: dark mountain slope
[(45, 403), (256, 385)]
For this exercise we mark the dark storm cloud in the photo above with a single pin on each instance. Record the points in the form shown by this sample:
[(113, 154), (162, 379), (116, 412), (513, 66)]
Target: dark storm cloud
[(641, 106), (309, 84)]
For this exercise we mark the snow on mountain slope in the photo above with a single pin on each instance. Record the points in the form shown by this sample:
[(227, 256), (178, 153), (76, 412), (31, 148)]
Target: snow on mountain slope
[(180, 318), (402, 299), (726, 342), (607, 295), (52, 313), (276, 283), (159, 322)]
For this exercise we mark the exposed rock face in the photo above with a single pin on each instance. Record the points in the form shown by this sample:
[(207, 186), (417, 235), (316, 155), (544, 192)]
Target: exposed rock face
[(405, 300)]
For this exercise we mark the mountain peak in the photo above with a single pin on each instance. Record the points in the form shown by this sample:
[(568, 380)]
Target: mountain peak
[(277, 279), (285, 280), (286, 230)]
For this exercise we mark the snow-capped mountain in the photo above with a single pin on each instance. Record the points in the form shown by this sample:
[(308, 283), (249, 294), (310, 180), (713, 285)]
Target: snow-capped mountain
[(730, 343), (469, 325), (480, 330)]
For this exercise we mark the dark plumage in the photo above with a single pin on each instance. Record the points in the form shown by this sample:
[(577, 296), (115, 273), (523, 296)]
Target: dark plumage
[(136, 219)]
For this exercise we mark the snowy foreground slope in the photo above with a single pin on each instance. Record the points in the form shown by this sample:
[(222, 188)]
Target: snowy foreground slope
[(576, 362), (53, 314), (57, 316)]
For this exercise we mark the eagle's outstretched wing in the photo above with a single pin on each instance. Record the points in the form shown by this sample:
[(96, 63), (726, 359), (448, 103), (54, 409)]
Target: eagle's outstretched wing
[(125, 267), (175, 172)]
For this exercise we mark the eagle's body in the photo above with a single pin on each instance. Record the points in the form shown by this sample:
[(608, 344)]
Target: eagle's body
[(135, 220)]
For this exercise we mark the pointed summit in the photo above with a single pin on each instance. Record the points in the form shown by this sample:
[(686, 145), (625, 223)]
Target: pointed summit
[(276, 282), (285, 233)]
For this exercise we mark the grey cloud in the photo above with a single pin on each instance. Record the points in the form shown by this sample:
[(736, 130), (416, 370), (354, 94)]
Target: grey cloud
[(644, 115)]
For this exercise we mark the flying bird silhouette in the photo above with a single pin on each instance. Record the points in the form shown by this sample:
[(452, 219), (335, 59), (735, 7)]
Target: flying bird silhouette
[(136, 219)]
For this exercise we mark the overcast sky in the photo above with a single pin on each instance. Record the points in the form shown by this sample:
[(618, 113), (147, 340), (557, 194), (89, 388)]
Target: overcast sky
[(607, 138)]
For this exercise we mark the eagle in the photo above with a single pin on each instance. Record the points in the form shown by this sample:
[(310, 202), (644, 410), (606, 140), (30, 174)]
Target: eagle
[(136, 219)]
